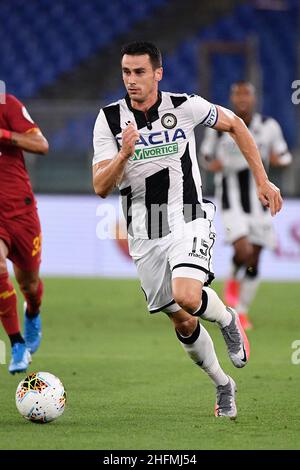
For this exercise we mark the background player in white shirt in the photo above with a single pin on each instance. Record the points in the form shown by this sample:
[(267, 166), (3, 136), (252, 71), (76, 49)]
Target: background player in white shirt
[(248, 226), (144, 144)]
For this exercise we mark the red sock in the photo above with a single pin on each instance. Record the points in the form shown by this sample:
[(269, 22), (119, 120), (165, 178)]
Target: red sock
[(34, 300), (8, 306)]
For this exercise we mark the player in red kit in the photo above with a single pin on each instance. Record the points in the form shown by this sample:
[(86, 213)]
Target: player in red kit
[(20, 230)]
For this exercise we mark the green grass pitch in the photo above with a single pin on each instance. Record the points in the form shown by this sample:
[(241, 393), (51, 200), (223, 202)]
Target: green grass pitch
[(131, 386)]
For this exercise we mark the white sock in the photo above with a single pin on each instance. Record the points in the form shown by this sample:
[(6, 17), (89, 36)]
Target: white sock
[(248, 289), (213, 309), (200, 348)]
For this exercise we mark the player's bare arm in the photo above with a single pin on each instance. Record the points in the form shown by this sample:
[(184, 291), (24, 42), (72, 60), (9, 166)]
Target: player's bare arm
[(30, 141), (108, 173), (267, 192)]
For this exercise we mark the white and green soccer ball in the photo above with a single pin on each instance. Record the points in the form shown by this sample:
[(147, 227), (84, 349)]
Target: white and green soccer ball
[(41, 397)]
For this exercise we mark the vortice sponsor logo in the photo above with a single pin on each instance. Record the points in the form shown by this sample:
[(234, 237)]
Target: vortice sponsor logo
[(153, 152)]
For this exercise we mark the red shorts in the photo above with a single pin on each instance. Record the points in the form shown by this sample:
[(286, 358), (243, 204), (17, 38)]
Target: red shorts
[(23, 237)]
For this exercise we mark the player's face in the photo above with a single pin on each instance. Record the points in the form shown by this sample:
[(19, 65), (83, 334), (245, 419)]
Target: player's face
[(243, 99), (140, 79)]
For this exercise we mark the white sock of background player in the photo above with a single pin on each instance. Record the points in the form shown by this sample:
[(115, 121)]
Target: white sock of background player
[(248, 288)]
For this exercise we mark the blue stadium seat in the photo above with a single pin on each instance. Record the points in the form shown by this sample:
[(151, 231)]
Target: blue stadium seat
[(62, 33), (278, 61), (44, 39)]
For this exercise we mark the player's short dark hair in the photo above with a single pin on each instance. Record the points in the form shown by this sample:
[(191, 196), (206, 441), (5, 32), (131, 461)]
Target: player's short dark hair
[(242, 83), (141, 48)]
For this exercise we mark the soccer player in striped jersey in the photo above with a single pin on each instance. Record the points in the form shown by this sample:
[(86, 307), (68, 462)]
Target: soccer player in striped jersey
[(247, 223), (144, 144)]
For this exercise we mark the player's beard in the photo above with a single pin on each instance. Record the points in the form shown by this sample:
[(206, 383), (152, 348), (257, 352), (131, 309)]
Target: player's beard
[(136, 96)]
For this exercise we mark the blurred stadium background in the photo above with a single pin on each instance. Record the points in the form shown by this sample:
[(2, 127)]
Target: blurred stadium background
[(62, 59)]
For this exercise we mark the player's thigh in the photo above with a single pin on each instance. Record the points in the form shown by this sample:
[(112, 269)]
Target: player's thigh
[(151, 260), (26, 245), (243, 249), (235, 225)]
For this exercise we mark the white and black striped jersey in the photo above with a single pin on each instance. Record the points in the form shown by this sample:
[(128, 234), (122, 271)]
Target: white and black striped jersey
[(235, 185), (161, 185)]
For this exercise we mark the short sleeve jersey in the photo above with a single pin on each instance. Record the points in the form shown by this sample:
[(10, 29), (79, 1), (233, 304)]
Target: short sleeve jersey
[(16, 196), (161, 185)]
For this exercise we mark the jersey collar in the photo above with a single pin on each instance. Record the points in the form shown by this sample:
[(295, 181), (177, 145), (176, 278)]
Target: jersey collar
[(145, 119)]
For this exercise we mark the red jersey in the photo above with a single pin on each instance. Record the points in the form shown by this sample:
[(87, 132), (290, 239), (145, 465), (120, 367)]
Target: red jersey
[(16, 195)]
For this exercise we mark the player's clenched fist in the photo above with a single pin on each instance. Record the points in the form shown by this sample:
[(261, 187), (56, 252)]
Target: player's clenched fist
[(269, 196), (129, 137)]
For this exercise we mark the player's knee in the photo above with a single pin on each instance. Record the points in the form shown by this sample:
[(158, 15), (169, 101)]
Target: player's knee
[(189, 301), (29, 286), (243, 256), (187, 326)]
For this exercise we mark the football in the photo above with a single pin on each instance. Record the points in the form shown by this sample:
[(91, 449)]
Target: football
[(41, 397)]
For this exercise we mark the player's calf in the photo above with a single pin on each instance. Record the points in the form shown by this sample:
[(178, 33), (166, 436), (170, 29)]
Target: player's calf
[(32, 290), (213, 309)]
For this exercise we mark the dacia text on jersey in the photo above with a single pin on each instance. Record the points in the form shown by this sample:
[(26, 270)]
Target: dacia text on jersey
[(164, 143)]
